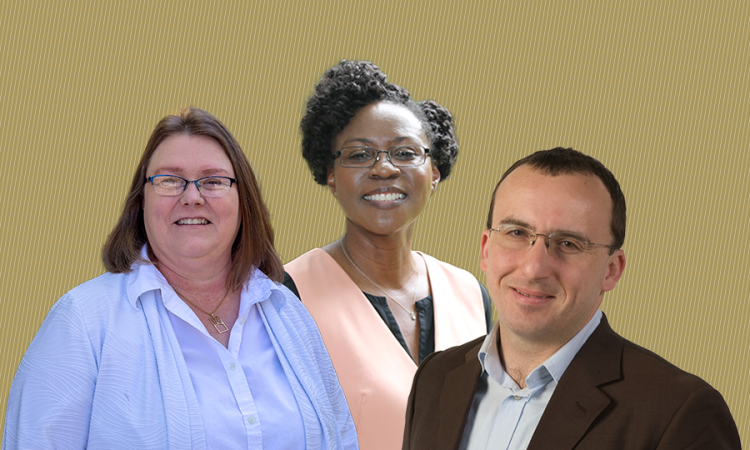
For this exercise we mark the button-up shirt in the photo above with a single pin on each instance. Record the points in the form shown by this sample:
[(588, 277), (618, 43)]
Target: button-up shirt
[(244, 395), (506, 416), (107, 370)]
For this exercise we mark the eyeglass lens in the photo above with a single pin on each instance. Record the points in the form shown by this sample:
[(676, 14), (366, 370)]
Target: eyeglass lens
[(208, 186), (402, 156)]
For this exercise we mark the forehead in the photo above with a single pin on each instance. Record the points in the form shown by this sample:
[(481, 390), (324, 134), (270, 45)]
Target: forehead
[(575, 202), (189, 154), (381, 122)]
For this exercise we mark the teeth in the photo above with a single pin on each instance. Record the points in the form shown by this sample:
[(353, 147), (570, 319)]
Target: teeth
[(192, 222), (385, 197)]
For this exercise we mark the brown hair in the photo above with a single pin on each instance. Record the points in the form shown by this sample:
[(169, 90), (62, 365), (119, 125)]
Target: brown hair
[(253, 246), (566, 160)]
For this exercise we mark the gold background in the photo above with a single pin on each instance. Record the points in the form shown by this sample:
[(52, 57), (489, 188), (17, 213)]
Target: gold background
[(657, 91)]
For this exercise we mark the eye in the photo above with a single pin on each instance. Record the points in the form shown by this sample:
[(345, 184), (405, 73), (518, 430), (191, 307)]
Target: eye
[(517, 233), (214, 183), (168, 182), (569, 245), (405, 153), (358, 154)]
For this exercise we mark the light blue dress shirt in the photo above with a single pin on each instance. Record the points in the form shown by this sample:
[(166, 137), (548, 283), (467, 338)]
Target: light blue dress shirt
[(506, 415), (106, 371)]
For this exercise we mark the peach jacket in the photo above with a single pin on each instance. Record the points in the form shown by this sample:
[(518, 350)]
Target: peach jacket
[(374, 370)]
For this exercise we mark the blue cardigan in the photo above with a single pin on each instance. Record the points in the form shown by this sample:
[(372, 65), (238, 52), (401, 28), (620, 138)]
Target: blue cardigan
[(105, 371)]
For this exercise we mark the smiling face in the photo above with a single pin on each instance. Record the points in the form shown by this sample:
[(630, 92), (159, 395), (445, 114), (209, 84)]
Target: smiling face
[(190, 227), (539, 298), (382, 199)]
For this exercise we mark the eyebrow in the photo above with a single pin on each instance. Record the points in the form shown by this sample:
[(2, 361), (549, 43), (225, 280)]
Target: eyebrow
[(180, 171), (370, 143)]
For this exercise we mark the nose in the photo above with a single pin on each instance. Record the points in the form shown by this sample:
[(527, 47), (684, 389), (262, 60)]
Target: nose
[(191, 195), (537, 261), (383, 167)]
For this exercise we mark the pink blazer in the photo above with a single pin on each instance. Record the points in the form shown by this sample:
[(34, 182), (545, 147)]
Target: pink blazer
[(374, 370)]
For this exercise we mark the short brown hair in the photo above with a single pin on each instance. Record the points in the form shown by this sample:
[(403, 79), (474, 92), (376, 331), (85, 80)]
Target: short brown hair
[(253, 246), (566, 160)]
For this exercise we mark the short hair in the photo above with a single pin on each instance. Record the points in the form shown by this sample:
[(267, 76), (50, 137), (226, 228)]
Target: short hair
[(568, 161), (348, 87), (252, 248)]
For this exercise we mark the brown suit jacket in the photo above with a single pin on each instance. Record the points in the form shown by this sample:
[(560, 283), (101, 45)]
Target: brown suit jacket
[(614, 395)]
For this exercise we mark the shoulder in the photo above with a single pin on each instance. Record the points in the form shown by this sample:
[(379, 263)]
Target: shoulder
[(673, 397), (449, 268), (657, 375), (106, 285), (305, 260), (95, 297), (687, 411)]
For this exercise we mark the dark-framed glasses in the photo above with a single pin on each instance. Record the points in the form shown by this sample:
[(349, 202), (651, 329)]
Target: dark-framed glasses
[(172, 185), (399, 156), (562, 245)]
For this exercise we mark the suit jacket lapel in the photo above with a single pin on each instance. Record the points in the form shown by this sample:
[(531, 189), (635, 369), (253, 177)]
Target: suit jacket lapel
[(577, 400), (456, 399)]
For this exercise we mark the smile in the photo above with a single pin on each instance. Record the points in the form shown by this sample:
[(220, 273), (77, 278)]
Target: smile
[(192, 222), (532, 296), (385, 197)]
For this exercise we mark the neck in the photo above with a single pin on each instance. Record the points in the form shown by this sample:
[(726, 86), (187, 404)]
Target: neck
[(520, 357), (203, 289), (387, 260)]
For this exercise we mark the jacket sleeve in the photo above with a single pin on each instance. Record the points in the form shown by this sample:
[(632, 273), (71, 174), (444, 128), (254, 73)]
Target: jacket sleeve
[(703, 422), (50, 400)]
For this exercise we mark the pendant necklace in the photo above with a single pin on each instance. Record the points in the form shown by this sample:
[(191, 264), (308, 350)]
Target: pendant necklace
[(414, 295), (215, 320)]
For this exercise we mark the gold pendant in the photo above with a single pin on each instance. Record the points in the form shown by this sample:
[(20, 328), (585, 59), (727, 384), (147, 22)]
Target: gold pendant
[(218, 323)]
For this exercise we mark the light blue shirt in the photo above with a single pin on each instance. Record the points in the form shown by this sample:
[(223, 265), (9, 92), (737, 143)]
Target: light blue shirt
[(506, 415), (106, 371)]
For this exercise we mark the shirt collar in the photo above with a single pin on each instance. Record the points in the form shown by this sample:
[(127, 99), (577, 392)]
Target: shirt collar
[(146, 277), (554, 366)]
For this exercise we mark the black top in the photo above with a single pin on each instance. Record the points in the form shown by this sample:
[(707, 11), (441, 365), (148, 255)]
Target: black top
[(425, 315)]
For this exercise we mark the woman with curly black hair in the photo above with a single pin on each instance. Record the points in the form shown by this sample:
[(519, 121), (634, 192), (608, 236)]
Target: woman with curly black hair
[(381, 307)]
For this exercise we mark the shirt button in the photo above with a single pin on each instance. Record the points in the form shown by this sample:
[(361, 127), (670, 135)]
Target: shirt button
[(231, 366), (516, 397), (242, 321), (251, 420)]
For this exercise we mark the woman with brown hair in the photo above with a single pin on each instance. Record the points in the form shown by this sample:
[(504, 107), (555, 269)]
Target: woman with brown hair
[(188, 341)]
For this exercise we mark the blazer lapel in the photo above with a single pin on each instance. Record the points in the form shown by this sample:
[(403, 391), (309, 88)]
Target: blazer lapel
[(577, 400), (456, 399)]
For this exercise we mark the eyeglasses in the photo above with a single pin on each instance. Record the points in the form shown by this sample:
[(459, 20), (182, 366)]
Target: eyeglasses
[(562, 245), (399, 156), (172, 185)]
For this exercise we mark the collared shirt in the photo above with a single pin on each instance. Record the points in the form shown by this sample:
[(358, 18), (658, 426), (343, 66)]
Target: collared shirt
[(503, 415), (106, 369), (243, 392)]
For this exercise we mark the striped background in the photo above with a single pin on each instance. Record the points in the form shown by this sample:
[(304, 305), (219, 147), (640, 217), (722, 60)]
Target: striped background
[(658, 91)]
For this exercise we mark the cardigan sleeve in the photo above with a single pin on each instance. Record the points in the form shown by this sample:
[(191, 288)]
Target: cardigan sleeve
[(50, 400)]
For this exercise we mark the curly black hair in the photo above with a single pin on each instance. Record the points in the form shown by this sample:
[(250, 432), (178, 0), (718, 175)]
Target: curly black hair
[(348, 87)]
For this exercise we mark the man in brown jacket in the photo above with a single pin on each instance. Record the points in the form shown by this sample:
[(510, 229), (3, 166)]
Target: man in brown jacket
[(552, 374)]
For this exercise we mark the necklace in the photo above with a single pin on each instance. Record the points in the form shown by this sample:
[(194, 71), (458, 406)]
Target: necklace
[(215, 320), (414, 295)]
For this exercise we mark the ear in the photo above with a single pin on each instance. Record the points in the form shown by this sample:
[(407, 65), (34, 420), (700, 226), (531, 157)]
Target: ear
[(435, 177), (615, 267), (483, 249), (330, 181)]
